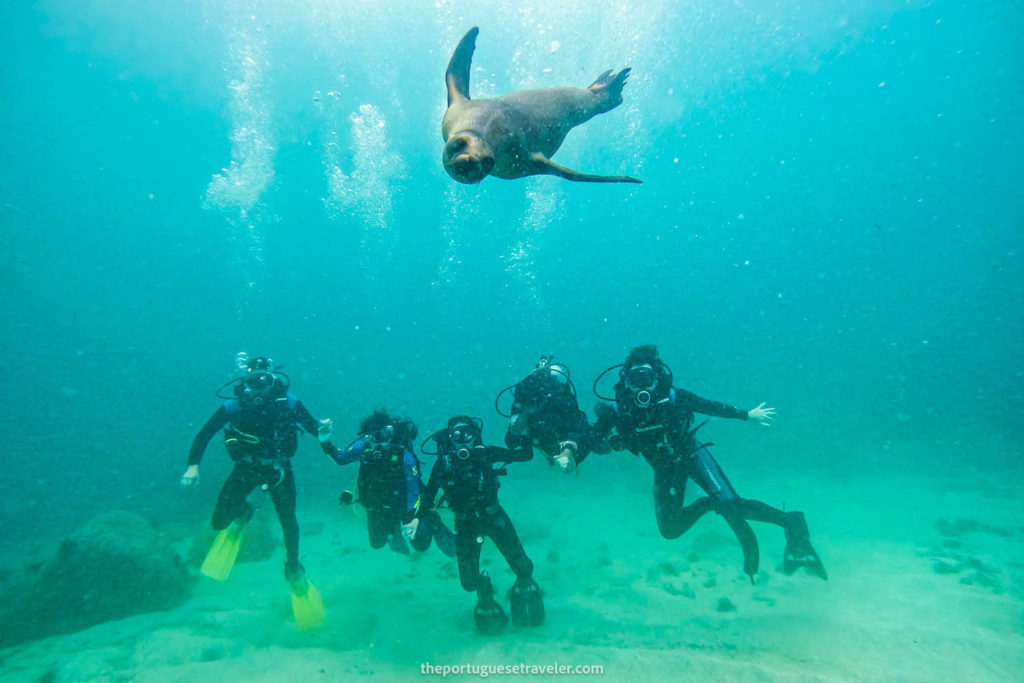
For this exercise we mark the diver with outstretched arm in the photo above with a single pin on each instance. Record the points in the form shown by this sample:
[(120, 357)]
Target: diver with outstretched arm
[(261, 423), (389, 482), (654, 419), (546, 415), (467, 471)]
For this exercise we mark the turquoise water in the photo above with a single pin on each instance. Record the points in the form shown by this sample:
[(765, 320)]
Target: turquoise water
[(830, 222)]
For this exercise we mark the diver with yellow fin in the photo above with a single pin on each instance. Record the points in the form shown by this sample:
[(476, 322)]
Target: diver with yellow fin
[(261, 422)]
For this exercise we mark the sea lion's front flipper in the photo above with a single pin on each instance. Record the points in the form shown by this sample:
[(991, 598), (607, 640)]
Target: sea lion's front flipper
[(457, 75), (544, 166)]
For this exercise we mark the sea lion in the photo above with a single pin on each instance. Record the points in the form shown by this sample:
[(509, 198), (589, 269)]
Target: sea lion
[(514, 136)]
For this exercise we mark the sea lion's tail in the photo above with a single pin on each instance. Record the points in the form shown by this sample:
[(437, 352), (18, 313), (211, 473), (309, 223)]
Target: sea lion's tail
[(609, 85)]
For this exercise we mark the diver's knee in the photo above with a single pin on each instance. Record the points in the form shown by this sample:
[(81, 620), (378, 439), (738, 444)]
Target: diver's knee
[(670, 533)]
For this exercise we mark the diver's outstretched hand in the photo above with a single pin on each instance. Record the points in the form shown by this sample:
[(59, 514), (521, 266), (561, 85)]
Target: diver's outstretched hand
[(324, 430), (762, 415), (565, 461), (409, 530), (191, 476)]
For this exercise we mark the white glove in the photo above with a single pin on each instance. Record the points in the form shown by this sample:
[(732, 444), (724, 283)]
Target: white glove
[(191, 476), (324, 431), (409, 530)]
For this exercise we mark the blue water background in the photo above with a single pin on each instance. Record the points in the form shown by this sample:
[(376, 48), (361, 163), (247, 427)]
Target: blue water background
[(830, 221)]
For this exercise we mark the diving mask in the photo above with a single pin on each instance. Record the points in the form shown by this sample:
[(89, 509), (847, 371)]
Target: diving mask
[(642, 379)]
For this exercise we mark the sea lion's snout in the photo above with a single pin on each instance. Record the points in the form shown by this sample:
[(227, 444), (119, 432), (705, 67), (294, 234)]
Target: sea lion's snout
[(467, 159)]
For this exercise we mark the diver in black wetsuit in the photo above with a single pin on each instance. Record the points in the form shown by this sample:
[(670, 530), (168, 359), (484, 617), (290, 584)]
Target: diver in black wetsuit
[(389, 482), (655, 420), (262, 423), (545, 414), (465, 470)]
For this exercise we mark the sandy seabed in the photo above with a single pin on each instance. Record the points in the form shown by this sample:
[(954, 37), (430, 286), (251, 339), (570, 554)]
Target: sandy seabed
[(926, 583)]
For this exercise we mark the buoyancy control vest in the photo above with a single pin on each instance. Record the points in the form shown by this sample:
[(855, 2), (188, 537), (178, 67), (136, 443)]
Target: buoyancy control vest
[(261, 435), (381, 478)]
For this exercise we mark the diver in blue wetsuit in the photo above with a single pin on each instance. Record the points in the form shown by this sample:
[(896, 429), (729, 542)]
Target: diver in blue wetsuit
[(652, 418), (389, 482)]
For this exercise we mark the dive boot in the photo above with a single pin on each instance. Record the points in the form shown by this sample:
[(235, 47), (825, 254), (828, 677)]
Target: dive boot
[(526, 602), (307, 606), (799, 552), (487, 614)]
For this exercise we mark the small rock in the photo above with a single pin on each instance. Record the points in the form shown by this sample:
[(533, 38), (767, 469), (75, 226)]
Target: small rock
[(984, 581), (725, 605), (212, 654), (943, 567), (683, 591), (975, 563)]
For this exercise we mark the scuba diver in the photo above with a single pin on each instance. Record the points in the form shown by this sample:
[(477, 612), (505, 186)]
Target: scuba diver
[(465, 470), (261, 421), (654, 419), (389, 482), (545, 414)]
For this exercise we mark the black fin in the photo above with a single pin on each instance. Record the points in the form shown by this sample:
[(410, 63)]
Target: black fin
[(748, 542), (488, 615), (526, 602), (799, 551)]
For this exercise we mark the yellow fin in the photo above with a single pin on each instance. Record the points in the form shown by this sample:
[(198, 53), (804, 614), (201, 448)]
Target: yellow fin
[(223, 552), (307, 606)]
